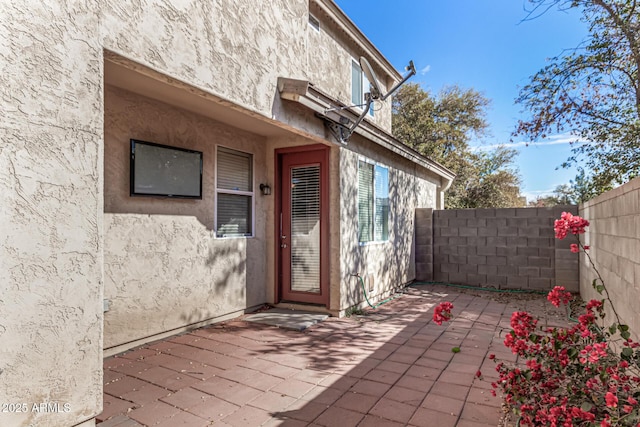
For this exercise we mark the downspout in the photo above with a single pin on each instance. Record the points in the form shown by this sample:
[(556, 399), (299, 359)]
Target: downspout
[(445, 185)]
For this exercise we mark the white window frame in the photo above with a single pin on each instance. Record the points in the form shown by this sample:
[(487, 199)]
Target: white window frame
[(251, 194), (364, 87), (376, 239)]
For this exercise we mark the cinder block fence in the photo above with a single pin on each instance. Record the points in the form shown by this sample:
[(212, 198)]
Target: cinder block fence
[(510, 248)]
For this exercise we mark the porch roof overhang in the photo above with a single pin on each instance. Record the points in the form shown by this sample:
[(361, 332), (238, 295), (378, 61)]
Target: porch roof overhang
[(335, 113)]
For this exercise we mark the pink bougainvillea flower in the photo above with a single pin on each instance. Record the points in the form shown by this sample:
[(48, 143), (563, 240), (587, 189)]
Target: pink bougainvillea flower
[(586, 247), (569, 223), (522, 323), (442, 312), (559, 295), (593, 304), (611, 399), (575, 248)]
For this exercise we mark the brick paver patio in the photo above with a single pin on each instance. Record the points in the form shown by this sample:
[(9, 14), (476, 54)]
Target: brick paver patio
[(392, 367)]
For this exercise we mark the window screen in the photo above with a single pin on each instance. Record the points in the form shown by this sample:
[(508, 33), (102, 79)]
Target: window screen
[(234, 188), (373, 202), (365, 201), (357, 96), (359, 86)]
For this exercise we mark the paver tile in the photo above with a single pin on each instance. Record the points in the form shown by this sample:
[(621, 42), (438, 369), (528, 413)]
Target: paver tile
[(479, 413), (444, 404), (373, 421), (425, 417), (247, 416), (415, 383), (391, 366), (184, 419), (372, 388), (113, 406), (356, 402), (293, 388), (284, 422), (186, 398), (132, 368), (393, 410), (303, 410), (383, 376), (120, 421), (335, 416), (483, 396), (406, 395), (238, 394), (272, 401), (123, 385), (213, 409), (323, 395), (153, 413), (446, 389), (147, 394)]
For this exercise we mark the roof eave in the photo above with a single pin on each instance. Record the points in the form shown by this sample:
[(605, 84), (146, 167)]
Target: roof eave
[(332, 110)]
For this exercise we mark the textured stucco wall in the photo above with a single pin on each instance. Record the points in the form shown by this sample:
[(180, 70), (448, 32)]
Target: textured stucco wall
[(329, 56), (164, 269), (50, 211), (614, 239), (389, 264), (236, 49)]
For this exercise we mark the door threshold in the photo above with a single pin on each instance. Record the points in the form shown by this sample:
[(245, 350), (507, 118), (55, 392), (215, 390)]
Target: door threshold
[(304, 306)]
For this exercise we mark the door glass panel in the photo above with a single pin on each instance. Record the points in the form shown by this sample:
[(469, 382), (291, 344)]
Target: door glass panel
[(305, 229)]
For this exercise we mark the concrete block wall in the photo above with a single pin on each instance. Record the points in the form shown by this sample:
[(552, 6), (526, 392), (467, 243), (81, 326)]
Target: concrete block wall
[(614, 240), (424, 243), (510, 248)]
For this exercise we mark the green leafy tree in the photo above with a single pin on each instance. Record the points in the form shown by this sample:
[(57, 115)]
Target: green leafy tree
[(440, 127), (592, 92)]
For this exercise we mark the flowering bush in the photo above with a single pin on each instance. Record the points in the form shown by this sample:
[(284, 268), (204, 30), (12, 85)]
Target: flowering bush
[(585, 375)]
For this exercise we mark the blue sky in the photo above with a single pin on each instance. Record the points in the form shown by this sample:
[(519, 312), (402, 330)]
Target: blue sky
[(484, 45)]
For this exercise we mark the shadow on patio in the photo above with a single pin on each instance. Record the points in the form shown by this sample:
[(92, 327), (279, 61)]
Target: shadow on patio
[(393, 366)]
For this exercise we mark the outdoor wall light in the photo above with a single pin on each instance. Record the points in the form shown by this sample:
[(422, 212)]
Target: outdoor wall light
[(265, 189)]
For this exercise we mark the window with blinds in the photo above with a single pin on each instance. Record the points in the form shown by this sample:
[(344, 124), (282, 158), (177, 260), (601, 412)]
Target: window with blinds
[(373, 202), (234, 193)]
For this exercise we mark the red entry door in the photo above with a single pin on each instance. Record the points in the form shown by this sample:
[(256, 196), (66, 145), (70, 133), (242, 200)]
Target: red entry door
[(303, 231)]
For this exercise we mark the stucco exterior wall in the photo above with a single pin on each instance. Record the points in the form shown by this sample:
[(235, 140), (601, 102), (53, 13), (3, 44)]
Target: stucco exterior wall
[(614, 240), (236, 49), (50, 212), (388, 264), (164, 269), (329, 58)]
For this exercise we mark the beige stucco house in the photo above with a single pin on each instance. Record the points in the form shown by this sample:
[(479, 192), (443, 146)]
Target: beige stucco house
[(239, 101)]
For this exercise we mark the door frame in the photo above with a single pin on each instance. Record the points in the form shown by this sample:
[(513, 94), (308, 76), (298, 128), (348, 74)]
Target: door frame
[(324, 151)]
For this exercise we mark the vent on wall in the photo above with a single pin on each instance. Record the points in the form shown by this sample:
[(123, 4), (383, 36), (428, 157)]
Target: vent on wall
[(313, 21)]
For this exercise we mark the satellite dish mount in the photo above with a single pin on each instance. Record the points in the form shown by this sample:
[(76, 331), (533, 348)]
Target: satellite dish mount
[(375, 94)]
